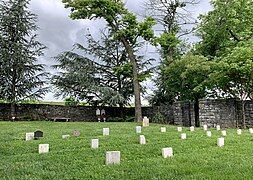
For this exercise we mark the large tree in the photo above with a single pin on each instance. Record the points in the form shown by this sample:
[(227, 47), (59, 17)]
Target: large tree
[(187, 79), (226, 34), (123, 25), (174, 22), (98, 72), (20, 74)]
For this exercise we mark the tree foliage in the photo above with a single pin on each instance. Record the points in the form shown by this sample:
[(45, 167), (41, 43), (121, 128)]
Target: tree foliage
[(175, 21), (20, 74), (123, 25), (102, 74)]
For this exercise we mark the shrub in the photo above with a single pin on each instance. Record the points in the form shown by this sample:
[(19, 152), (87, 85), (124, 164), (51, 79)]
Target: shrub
[(158, 118), (71, 101)]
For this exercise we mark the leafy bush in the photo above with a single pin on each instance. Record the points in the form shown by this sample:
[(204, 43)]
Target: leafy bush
[(158, 118), (71, 101)]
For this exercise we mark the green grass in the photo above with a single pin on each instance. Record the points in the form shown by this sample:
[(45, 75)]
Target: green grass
[(197, 157)]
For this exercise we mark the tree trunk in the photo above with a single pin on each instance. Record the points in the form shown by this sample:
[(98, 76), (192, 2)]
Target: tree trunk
[(196, 111), (13, 111), (243, 114), (137, 93)]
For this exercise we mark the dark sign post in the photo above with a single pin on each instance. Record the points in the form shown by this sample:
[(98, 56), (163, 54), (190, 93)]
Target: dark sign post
[(103, 115)]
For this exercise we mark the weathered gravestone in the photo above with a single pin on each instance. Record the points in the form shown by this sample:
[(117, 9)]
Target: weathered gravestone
[(65, 136), (251, 130), (183, 136), (167, 152), (192, 128), (43, 148), (208, 133), (179, 129), (145, 122), (224, 133), (163, 129), (106, 131), (205, 127), (142, 139), (29, 136), (38, 134), (94, 143), (138, 129), (112, 157), (239, 131), (220, 142), (217, 127), (76, 133)]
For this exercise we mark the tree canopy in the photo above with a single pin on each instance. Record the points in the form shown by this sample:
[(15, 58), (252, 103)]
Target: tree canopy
[(21, 76)]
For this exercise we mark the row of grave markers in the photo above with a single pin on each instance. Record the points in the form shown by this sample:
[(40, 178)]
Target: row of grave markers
[(113, 157)]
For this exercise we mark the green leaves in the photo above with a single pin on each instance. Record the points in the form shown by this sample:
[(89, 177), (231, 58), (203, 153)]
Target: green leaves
[(20, 74)]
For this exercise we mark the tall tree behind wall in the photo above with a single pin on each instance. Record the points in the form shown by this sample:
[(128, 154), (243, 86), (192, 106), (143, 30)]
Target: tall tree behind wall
[(20, 74), (125, 28), (174, 23)]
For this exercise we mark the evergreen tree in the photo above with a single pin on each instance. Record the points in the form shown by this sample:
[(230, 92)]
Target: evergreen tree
[(20, 74)]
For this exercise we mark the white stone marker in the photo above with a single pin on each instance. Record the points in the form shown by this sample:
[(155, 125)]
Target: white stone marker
[(142, 139), (239, 131), (145, 121), (163, 129), (106, 131), (205, 127), (29, 136), (218, 127), (220, 142), (250, 130), (208, 133), (112, 157), (183, 136), (192, 128), (138, 129), (224, 133), (94, 143), (65, 136), (43, 148), (179, 129), (167, 152)]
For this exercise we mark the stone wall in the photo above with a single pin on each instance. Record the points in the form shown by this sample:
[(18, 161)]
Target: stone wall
[(227, 113), (78, 113)]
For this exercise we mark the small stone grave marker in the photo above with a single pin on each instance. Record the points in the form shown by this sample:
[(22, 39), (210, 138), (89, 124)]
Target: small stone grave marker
[(38, 134), (138, 129), (179, 129), (224, 133), (183, 136), (43, 148), (106, 131), (112, 157), (163, 129), (65, 136), (205, 127), (167, 152), (220, 142), (192, 128), (250, 130), (94, 143), (29, 136), (76, 133), (218, 127), (208, 133), (142, 139), (239, 131), (145, 121)]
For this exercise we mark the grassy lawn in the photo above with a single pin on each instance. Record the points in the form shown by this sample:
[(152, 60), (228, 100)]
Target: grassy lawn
[(197, 157)]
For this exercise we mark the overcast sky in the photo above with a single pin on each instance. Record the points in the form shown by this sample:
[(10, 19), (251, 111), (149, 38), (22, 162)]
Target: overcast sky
[(58, 32)]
